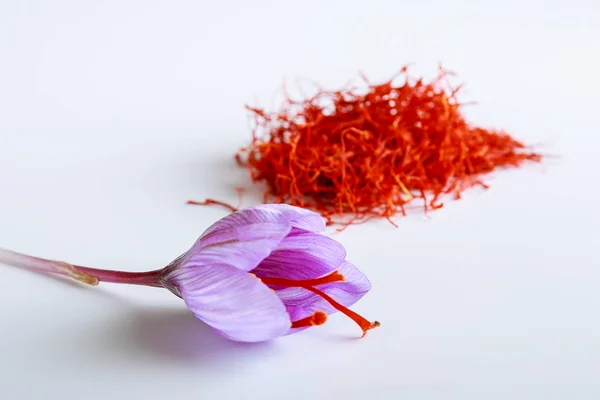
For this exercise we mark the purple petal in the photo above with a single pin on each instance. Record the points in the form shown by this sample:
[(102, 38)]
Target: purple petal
[(243, 246), (300, 218), (303, 255), (232, 302), (274, 213), (301, 303)]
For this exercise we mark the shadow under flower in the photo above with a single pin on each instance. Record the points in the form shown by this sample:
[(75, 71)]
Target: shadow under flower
[(175, 335)]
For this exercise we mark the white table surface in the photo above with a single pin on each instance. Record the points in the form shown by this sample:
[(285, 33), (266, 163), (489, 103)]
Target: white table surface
[(114, 113)]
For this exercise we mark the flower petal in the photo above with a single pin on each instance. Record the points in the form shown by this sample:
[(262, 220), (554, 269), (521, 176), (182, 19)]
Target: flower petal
[(275, 213), (303, 255), (302, 303), (232, 302), (300, 218), (243, 246)]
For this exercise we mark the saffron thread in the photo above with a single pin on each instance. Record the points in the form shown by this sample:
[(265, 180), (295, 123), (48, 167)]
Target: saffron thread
[(355, 154)]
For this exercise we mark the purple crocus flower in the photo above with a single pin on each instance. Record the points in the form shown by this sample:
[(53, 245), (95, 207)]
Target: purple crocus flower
[(254, 275)]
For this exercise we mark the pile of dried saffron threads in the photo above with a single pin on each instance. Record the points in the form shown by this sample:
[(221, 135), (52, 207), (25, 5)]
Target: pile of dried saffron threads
[(355, 154)]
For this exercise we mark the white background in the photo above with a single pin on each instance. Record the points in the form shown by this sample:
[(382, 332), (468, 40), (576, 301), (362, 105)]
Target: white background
[(114, 113)]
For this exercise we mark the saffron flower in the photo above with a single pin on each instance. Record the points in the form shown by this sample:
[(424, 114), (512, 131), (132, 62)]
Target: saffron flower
[(255, 275)]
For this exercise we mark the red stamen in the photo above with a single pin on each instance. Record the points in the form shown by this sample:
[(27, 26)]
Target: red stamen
[(364, 324), (318, 318), (335, 276)]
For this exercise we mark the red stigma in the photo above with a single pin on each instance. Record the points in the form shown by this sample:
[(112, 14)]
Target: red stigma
[(361, 321), (335, 276), (319, 317)]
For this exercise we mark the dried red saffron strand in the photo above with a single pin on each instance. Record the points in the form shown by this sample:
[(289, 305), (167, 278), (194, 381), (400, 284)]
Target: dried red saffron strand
[(370, 154), (208, 202)]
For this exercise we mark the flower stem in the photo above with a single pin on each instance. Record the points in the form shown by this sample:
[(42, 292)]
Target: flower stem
[(149, 278), (90, 276)]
